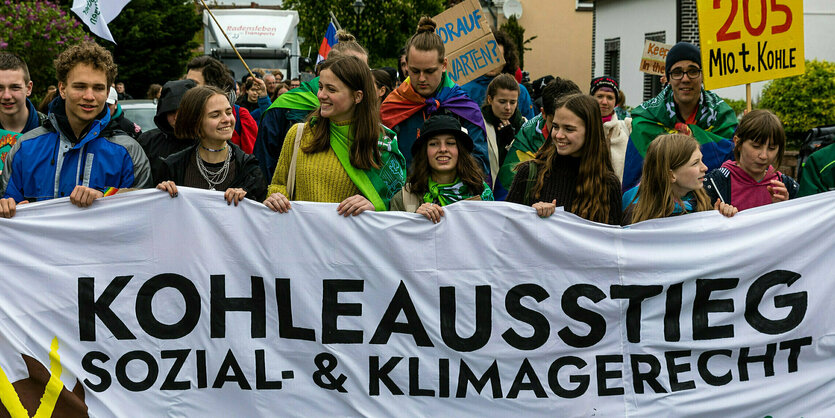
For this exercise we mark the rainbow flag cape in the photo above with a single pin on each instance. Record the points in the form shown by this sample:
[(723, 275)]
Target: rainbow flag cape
[(714, 129), (404, 102)]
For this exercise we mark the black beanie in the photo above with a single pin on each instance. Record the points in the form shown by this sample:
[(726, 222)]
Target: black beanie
[(605, 81), (682, 51)]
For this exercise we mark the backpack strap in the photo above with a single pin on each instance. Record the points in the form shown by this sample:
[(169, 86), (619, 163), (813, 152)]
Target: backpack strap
[(291, 173)]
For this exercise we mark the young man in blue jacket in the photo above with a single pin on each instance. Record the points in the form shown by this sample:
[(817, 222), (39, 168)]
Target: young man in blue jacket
[(74, 154)]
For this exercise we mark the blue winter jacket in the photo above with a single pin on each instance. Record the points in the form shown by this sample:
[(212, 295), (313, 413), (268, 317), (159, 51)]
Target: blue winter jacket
[(45, 164)]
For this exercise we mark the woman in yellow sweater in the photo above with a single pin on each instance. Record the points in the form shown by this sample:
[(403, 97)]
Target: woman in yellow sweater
[(343, 154)]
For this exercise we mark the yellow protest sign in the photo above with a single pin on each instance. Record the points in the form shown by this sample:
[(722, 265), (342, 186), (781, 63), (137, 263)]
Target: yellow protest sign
[(744, 41)]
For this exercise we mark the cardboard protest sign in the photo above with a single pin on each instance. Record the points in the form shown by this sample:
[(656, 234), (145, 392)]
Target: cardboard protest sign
[(471, 49), (747, 41), (654, 58)]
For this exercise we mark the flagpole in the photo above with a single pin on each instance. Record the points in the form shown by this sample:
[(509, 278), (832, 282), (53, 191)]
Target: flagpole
[(335, 22), (228, 40)]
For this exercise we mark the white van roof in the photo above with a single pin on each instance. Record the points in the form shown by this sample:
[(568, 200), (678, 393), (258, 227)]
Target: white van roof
[(253, 28)]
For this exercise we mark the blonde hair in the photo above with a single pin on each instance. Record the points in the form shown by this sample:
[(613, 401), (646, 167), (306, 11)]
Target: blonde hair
[(655, 194), (346, 44)]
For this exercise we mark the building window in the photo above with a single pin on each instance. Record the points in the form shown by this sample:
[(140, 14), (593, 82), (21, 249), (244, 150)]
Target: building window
[(611, 58), (652, 83), (584, 5)]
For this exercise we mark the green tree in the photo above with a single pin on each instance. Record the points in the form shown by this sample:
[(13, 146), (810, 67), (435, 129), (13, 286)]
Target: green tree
[(805, 101), (517, 33), (38, 31), (154, 40), (383, 28)]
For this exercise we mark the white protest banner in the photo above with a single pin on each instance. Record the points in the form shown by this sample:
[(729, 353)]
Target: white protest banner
[(147, 305), (96, 14), (654, 57), (471, 49)]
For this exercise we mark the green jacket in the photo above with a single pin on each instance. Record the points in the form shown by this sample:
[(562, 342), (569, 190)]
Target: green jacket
[(818, 172)]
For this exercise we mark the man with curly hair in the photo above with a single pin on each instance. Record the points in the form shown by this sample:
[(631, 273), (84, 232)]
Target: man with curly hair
[(75, 153)]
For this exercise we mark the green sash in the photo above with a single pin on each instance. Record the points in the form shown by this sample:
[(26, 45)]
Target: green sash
[(378, 185), (446, 194), (300, 98)]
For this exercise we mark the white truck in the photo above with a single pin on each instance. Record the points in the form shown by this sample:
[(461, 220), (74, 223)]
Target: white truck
[(265, 38)]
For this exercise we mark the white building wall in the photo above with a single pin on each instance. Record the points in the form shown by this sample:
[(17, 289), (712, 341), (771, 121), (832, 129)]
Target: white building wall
[(631, 20)]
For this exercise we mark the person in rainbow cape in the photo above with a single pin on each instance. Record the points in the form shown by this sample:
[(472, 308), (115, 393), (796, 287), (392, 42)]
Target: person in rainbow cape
[(293, 107), (429, 91), (685, 107), (343, 154), (536, 131)]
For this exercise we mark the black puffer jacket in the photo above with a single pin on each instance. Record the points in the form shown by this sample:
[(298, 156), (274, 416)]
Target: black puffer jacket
[(248, 175)]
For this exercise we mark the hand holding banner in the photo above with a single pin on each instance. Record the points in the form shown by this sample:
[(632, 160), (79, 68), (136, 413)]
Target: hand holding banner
[(747, 41)]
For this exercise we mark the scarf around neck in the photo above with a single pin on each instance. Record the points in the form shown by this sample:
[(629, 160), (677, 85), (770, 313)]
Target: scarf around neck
[(378, 185), (515, 119), (445, 194)]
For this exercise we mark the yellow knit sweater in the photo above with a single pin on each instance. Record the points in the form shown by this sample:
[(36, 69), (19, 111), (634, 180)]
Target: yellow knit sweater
[(319, 176)]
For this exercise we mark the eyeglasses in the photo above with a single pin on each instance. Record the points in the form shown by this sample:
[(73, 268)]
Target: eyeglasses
[(692, 73)]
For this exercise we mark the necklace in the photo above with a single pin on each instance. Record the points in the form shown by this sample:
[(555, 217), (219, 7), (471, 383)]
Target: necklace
[(212, 149), (213, 177)]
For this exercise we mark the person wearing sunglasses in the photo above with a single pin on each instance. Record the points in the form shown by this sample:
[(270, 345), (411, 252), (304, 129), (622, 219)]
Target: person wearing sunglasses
[(684, 107)]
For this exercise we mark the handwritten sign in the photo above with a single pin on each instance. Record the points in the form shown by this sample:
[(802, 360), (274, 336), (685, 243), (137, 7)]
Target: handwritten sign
[(471, 49), (744, 41), (654, 58)]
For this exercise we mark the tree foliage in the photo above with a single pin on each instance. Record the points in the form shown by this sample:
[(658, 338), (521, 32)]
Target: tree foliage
[(154, 40), (517, 33), (38, 31), (805, 101), (383, 28)]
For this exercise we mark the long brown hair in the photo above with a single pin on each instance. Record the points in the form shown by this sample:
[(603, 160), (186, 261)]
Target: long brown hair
[(591, 199), (469, 171), (366, 126), (655, 194)]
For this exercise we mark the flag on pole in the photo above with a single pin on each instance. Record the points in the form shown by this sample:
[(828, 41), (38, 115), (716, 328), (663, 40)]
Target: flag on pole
[(327, 42), (96, 14)]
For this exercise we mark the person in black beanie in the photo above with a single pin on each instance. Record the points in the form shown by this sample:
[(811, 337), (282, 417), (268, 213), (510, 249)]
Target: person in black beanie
[(161, 142), (683, 106)]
